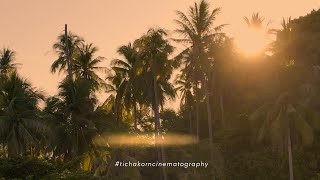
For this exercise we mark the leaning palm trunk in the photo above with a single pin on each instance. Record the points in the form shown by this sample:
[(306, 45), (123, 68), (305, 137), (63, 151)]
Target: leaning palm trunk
[(290, 155), (161, 153)]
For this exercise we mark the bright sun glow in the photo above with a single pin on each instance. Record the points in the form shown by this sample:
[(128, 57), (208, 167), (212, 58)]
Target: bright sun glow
[(138, 140), (251, 41)]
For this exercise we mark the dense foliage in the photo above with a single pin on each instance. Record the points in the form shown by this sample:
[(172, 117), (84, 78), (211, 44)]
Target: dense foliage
[(252, 116)]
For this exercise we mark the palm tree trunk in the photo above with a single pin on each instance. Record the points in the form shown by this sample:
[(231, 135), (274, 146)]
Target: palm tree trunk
[(135, 117), (67, 52), (190, 121), (206, 91), (290, 155), (198, 121), (208, 110), (3, 150), (223, 122), (116, 109), (157, 128), (197, 112)]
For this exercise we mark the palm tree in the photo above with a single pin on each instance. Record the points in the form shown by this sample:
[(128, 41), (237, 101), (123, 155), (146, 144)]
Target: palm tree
[(193, 75), (60, 48), (127, 68), (153, 54), (86, 65), (154, 51), (223, 52), (283, 44), (288, 114), (185, 87), (198, 30), (116, 85), (278, 121), (7, 64), (77, 106), (256, 21), (20, 119)]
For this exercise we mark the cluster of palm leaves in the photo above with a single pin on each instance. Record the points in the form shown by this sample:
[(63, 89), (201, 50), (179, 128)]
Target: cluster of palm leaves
[(142, 78), (23, 127)]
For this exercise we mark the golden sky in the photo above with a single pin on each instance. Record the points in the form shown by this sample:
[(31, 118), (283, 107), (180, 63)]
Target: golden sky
[(30, 27)]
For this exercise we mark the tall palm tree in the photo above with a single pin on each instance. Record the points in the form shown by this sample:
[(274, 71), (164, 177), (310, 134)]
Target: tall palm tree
[(86, 64), (60, 47), (21, 124), (153, 54), (7, 64), (127, 67), (198, 30), (282, 48), (154, 51)]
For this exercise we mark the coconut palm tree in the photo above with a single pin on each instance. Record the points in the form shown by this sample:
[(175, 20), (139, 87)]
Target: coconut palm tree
[(127, 68), (78, 112), (282, 121), (185, 87), (284, 117), (154, 51), (282, 47), (156, 69), (86, 64), (223, 52), (198, 30), (60, 48), (116, 85), (278, 122), (256, 21), (7, 64), (20, 119)]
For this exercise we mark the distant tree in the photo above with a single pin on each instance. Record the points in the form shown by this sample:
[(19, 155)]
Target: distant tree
[(256, 21)]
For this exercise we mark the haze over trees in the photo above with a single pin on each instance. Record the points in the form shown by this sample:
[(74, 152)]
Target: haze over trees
[(250, 109)]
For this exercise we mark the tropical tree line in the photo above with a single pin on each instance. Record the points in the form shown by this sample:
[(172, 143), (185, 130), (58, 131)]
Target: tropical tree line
[(249, 114)]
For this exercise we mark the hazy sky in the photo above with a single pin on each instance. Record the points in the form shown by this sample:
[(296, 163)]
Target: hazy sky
[(30, 27)]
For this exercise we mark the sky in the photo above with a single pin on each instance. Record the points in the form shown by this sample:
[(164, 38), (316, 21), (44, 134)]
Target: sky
[(31, 27)]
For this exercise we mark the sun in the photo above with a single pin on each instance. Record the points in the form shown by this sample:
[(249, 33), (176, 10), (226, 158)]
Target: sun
[(251, 41)]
